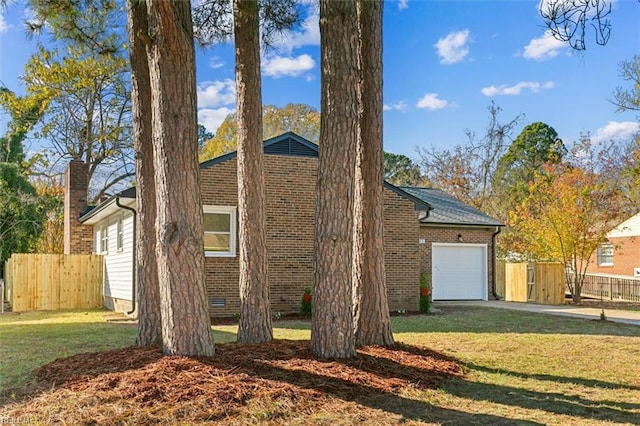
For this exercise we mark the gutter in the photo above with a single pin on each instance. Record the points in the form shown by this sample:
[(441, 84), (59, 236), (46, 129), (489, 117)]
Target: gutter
[(494, 279), (133, 271)]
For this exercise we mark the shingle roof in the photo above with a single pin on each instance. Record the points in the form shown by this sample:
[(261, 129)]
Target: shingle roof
[(286, 144), (449, 210)]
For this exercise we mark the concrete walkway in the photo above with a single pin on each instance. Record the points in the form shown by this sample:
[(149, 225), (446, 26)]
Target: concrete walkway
[(615, 315)]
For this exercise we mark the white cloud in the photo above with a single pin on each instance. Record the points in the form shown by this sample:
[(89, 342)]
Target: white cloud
[(403, 4), (212, 118), (433, 102), (544, 47), (516, 89), (215, 62), (307, 35), (3, 24), (212, 94), (279, 66), (616, 130), (397, 106), (453, 48)]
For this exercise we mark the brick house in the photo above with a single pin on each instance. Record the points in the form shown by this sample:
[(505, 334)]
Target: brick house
[(290, 166), (620, 253)]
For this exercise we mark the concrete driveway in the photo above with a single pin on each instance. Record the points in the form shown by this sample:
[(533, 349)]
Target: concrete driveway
[(615, 315)]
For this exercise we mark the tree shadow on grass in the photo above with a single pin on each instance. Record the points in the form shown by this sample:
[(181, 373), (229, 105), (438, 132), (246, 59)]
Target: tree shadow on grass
[(550, 402), (558, 379), (412, 409), (486, 320), (372, 397)]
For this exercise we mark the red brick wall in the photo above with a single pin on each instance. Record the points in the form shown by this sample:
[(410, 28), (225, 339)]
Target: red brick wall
[(290, 201), (78, 238), (434, 234), (626, 256)]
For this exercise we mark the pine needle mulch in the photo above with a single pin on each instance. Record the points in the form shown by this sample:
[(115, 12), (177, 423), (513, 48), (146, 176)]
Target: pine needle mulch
[(278, 382)]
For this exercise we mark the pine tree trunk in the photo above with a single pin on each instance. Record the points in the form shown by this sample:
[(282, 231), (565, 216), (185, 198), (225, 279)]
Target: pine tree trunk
[(371, 310), (255, 317), (186, 326), (332, 319), (145, 266)]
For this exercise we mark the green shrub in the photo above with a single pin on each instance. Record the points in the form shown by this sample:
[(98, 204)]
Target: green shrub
[(305, 307), (425, 292)]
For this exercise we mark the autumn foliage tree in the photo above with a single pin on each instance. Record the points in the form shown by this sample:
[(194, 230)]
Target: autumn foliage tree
[(568, 210)]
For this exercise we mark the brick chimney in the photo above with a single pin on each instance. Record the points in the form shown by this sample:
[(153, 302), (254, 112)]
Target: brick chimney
[(78, 238)]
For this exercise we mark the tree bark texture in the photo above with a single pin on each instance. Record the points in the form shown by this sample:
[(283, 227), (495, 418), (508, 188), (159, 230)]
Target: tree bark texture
[(370, 307), (255, 318), (145, 265), (186, 326), (332, 318)]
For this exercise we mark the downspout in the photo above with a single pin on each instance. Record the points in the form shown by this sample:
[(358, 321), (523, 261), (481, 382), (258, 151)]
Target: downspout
[(134, 269), (494, 279)]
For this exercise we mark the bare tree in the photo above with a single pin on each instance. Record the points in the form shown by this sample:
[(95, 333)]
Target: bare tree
[(568, 20), (629, 98), (466, 171)]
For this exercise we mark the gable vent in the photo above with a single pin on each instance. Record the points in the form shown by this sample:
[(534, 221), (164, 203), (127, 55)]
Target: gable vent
[(290, 146)]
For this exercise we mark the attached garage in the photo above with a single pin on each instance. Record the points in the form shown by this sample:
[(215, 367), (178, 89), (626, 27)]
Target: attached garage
[(457, 247), (459, 271)]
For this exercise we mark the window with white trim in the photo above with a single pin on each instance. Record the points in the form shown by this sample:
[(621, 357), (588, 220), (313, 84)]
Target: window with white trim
[(104, 239), (119, 235), (219, 230), (605, 254)]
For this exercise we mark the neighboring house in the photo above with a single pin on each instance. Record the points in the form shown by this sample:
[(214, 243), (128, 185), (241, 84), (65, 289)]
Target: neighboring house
[(620, 254), (411, 228)]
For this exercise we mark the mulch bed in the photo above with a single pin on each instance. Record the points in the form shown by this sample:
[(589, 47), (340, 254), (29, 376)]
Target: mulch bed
[(143, 385)]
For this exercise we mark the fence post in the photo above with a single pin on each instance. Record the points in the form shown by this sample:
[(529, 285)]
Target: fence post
[(610, 288), (1, 296)]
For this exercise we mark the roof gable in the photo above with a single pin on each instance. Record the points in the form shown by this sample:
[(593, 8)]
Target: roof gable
[(448, 210), (628, 228), (288, 143)]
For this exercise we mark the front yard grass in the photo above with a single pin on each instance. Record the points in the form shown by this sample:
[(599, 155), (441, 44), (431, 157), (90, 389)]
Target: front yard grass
[(520, 368)]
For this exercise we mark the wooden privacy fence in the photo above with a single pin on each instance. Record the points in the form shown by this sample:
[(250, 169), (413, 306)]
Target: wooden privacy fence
[(541, 282), (54, 281)]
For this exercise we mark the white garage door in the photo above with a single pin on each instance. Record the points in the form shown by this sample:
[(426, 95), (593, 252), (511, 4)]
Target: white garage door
[(459, 271)]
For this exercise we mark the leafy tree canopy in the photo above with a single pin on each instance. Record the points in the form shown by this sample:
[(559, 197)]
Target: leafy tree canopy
[(21, 212), (537, 144), (301, 119), (400, 170), (568, 210)]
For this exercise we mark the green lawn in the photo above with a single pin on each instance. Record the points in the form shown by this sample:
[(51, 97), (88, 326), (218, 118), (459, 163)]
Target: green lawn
[(522, 368)]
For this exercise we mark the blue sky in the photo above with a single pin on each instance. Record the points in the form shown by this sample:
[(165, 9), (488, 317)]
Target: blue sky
[(444, 62)]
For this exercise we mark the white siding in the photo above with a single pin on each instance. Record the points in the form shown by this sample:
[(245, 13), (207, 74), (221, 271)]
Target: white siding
[(118, 263), (628, 228)]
